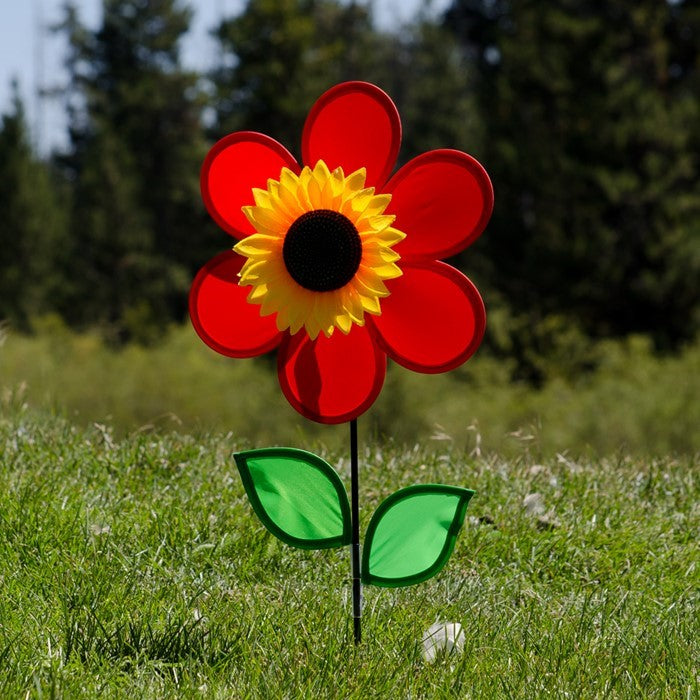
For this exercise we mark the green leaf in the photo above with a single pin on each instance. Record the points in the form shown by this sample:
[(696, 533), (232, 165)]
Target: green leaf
[(299, 497), (412, 534)]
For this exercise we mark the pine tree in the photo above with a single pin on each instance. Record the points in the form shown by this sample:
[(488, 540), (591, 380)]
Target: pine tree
[(139, 229), (433, 89), (278, 56), (31, 224), (589, 140)]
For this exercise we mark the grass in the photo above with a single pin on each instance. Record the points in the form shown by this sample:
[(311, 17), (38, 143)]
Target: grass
[(634, 403), (134, 567)]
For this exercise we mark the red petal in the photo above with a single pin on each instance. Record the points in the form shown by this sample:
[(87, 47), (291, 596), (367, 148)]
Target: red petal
[(442, 200), (331, 380), (222, 317), (354, 125), (234, 165), (433, 320)]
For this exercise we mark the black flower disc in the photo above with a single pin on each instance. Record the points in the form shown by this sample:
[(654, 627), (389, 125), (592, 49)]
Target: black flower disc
[(322, 250)]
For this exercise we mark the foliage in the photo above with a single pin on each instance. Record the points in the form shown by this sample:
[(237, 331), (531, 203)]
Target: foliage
[(635, 402), (434, 91), (589, 112), (136, 147), (32, 224), (585, 114), (277, 57), (136, 568)]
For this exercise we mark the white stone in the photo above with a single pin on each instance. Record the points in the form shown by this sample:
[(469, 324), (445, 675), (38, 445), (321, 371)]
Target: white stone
[(442, 638)]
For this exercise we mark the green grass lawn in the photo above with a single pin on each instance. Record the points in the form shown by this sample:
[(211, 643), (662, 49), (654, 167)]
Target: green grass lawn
[(135, 567)]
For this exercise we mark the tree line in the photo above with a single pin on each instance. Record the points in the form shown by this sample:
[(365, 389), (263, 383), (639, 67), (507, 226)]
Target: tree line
[(586, 114)]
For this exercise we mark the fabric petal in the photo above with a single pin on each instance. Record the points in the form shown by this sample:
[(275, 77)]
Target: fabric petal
[(222, 317), (353, 125), (233, 167), (331, 380), (442, 200), (433, 320)]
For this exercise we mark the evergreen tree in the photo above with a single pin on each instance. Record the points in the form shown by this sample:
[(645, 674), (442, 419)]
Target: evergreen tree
[(588, 136), (138, 226), (433, 89), (31, 224), (278, 56)]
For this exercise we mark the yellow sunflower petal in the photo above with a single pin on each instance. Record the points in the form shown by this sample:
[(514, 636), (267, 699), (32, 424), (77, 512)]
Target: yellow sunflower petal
[(257, 244), (377, 204), (386, 237), (387, 271), (290, 202), (338, 180), (315, 196), (329, 198), (288, 207), (252, 271), (261, 197), (288, 179), (302, 190), (321, 173), (369, 284), (377, 290), (352, 307), (305, 176), (257, 294), (360, 200), (269, 305), (344, 323), (373, 224), (355, 182), (379, 256), (371, 305), (266, 221)]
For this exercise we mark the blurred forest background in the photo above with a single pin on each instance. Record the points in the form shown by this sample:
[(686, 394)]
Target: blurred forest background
[(585, 113)]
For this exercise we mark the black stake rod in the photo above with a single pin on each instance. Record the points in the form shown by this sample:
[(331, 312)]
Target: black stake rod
[(355, 546)]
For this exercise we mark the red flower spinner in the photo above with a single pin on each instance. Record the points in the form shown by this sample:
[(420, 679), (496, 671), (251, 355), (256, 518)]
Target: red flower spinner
[(319, 247)]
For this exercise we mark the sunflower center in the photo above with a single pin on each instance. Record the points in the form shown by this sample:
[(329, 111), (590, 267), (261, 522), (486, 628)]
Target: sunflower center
[(322, 250)]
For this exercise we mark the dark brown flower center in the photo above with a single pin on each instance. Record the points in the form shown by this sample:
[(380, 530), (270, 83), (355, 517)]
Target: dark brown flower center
[(322, 250)]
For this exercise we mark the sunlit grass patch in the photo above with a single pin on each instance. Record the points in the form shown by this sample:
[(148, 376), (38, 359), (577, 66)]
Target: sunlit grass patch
[(135, 567)]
